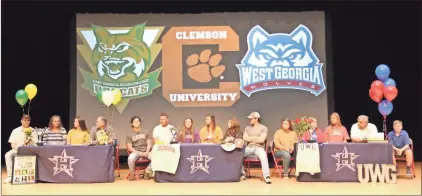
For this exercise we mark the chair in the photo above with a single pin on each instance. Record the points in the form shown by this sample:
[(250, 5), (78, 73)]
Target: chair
[(402, 158), (277, 167), (142, 165), (117, 160), (253, 159)]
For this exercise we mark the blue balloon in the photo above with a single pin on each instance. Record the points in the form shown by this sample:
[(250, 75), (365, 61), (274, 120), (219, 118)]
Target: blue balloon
[(385, 107), (389, 82), (382, 71)]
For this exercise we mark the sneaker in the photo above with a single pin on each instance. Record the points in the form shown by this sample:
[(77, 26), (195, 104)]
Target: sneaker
[(267, 180), (147, 175), (243, 177), (7, 180), (286, 176), (132, 176), (409, 172)]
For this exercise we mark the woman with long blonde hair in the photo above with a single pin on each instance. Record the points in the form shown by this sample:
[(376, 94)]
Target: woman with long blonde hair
[(188, 134), (55, 133), (336, 132), (210, 133)]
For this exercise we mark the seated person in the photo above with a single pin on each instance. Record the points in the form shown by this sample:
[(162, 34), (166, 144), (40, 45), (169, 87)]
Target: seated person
[(188, 134), (102, 133), (139, 144), (314, 133), (55, 133), (162, 133), (79, 135), (362, 130), (336, 132), (284, 144), (18, 138), (256, 135), (401, 141), (233, 132), (210, 133)]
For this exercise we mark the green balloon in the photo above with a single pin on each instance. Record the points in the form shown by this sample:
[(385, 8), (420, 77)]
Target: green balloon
[(100, 96), (21, 97)]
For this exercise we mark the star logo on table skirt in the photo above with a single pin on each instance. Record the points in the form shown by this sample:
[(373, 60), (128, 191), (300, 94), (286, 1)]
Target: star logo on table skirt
[(199, 162), (345, 159), (63, 163)]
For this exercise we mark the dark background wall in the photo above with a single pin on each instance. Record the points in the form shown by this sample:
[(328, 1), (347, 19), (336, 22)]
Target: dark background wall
[(36, 49)]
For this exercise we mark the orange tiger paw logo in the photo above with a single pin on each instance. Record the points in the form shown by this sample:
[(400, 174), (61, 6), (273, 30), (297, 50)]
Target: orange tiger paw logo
[(204, 67)]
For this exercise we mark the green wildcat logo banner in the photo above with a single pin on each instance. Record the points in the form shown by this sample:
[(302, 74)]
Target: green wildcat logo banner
[(120, 57)]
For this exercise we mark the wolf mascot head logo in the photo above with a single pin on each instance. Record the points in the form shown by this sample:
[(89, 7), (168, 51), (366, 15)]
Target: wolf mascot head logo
[(280, 60)]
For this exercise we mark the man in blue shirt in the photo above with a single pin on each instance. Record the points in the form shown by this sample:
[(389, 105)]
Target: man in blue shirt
[(401, 141)]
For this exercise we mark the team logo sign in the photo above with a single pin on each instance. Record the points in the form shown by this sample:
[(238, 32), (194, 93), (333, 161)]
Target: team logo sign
[(120, 58), (280, 61), (201, 68)]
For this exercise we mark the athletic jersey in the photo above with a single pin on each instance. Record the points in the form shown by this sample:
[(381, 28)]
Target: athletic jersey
[(165, 158), (307, 158)]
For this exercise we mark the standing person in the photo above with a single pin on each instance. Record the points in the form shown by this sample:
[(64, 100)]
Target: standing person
[(100, 129), (55, 133), (19, 138), (314, 133), (336, 132), (210, 133), (401, 142), (362, 130), (188, 134), (139, 144), (233, 132), (284, 142), (162, 133), (255, 136), (79, 135)]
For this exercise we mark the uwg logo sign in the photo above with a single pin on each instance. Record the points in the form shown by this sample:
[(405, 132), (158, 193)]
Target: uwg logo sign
[(387, 173)]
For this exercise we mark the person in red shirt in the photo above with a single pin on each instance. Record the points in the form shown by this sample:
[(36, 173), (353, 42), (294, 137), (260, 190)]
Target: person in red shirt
[(336, 132), (314, 133)]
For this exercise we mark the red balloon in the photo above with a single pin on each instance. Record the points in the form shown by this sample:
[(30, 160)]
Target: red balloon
[(390, 93), (375, 94), (377, 85)]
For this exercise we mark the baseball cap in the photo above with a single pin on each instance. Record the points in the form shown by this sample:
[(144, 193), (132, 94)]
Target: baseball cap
[(254, 115)]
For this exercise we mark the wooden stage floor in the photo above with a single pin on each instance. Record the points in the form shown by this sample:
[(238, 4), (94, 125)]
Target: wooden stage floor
[(252, 186)]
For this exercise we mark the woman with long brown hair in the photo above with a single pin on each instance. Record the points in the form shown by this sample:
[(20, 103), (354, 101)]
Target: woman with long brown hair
[(233, 132), (79, 134), (284, 144), (210, 133), (188, 134), (336, 132), (55, 134)]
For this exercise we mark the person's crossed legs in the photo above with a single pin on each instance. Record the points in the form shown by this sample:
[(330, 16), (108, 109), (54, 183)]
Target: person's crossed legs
[(262, 156)]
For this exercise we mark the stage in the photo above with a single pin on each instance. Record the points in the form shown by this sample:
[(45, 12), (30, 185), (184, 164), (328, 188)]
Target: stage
[(249, 187)]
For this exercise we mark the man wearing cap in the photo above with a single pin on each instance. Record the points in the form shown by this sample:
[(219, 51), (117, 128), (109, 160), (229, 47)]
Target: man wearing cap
[(255, 136)]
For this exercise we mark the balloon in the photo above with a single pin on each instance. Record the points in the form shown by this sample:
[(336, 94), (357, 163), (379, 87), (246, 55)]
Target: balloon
[(375, 94), (377, 85), (385, 107), (21, 97), (389, 82), (382, 71), (108, 98), (390, 93), (117, 96), (100, 96), (31, 90)]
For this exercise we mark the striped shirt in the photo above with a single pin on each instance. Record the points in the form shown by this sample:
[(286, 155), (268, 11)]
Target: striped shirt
[(55, 138)]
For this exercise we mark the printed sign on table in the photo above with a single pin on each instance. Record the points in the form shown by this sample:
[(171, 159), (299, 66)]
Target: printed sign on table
[(24, 170)]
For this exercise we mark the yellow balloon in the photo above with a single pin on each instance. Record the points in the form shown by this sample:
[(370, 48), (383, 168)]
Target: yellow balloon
[(117, 96), (31, 90)]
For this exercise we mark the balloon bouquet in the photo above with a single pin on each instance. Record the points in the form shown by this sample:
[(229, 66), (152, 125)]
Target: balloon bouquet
[(22, 96), (383, 87), (108, 98)]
